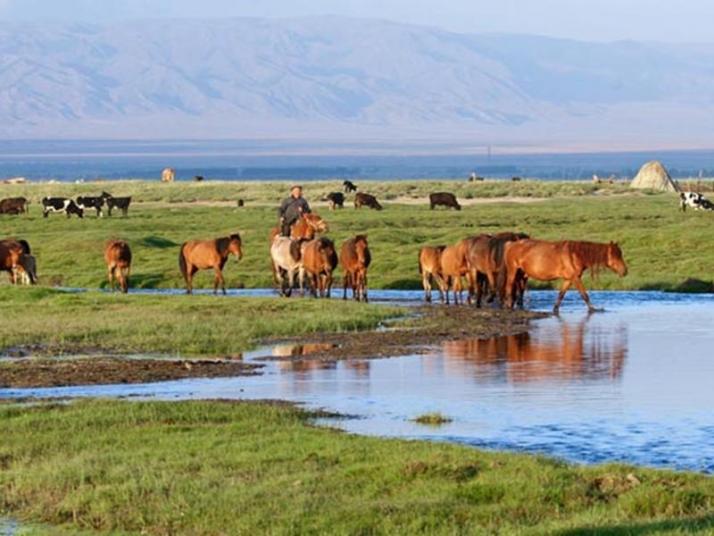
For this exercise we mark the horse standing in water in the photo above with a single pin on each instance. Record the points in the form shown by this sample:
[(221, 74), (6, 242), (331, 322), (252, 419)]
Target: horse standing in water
[(454, 266), (117, 256), (567, 260), (206, 254), (355, 258), (430, 269), (15, 258), (319, 262)]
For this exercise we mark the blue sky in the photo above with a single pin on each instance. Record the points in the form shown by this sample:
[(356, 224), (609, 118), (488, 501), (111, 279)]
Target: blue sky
[(601, 20)]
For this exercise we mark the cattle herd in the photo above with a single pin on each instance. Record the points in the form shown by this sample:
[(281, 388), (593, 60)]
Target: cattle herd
[(496, 267)]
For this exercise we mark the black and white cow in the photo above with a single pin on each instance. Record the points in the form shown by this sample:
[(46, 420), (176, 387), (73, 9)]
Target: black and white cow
[(122, 203), (694, 200), (61, 204), (97, 203)]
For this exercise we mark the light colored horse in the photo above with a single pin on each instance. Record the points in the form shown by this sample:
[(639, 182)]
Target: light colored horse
[(286, 255)]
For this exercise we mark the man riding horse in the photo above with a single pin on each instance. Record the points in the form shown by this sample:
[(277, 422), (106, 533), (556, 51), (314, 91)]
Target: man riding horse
[(291, 209)]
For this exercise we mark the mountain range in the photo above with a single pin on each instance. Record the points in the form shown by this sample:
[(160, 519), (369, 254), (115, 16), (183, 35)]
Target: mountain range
[(343, 80)]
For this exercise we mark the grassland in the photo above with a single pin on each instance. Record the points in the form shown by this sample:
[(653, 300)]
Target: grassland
[(243, 468), (51, 322), (665, 248)]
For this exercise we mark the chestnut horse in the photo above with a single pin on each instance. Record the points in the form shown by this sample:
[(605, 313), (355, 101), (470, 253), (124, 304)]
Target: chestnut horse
[(355, 259), (454, 266), (319, 261), (485, 259), (567, 260), (430, 269), (306, 227), (117, 256), (206, 254), (15, 259)]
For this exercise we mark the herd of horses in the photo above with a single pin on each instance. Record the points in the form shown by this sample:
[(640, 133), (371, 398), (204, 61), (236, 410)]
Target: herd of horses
[(494, 266), (501, 265)]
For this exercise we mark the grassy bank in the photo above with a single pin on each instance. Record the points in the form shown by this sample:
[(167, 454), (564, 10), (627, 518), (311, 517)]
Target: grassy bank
[(52, 322), (223, 468), (665, 248)]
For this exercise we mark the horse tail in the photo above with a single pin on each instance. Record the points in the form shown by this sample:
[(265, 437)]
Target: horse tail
[(421, 270), (182, 262), (501, 279)]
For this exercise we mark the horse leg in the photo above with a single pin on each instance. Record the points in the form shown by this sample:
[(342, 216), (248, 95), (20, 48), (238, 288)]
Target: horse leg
[(457, 290), (508, 298), (189, 278), (426, 283), (563, 289), (345, 282), (219, 281), (365, 298), (110, 277), (471, 284), (125, 279), (584, 294), (441, 284)]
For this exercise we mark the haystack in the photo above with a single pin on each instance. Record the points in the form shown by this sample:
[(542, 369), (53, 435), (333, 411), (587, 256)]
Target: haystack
[(654, 176)]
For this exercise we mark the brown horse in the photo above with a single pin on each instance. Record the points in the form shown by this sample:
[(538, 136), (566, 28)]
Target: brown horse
[(355, 259), (16, 260), (117, 256), (430, 270), (454, 266), (205, 254), (485, 260), (319, 262), (567, 260), (305, 228)]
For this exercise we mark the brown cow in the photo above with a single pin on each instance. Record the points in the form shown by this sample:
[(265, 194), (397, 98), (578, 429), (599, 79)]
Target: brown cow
[(430, 269), (355, 259), (117, 255), (319, 261), (14, 205), (366, 200)]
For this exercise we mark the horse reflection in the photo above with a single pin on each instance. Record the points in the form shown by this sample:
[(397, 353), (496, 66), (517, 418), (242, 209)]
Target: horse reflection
[(560, 352)]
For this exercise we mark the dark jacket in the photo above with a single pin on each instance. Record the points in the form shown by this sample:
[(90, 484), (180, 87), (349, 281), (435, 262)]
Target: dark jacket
[(291, 209)]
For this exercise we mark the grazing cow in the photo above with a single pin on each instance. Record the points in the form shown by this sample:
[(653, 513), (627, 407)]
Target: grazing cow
[(199, 178), (117, 255), (319, 260), (367, 200), (430, 269), (444, 199), (60, 205), (14, 205), (97, 203), (694, 200), (122, 203), (336, 199), (516, 179), (168, 175), (355, 258), (349, 186)]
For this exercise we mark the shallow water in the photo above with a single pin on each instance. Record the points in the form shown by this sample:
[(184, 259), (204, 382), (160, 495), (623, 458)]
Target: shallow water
[(633, 384)]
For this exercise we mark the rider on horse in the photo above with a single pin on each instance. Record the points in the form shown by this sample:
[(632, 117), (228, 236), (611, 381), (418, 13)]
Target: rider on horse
[(292, 209)]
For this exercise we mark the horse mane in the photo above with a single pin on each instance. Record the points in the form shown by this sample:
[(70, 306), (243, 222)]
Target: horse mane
[(25, 246), (222, 244), (593, 255)]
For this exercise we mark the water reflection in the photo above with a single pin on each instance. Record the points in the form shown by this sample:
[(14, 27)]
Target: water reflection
[(555, 350)]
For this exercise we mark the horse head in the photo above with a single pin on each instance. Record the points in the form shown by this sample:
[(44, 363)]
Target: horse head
[(615, 261), (230, 245), (362, 248), (316, 223)]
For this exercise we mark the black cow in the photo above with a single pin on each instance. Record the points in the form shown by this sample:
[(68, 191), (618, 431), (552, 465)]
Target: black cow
[(199, 178), (60, 205), (13, 205), (97, 203), (122, 203), (516, 179), (349, 186), (366, 200), (336, 199), (444, 199)]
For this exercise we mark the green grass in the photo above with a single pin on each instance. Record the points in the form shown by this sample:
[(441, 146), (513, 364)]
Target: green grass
[(224, 468), (184, 325), (665, 248)]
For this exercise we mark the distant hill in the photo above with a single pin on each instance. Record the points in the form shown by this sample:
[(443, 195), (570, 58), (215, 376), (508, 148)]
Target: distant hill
[(341, 79)]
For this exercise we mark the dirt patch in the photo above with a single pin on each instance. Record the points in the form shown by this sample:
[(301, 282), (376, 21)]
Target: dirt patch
[(29, 373), (424, 329)]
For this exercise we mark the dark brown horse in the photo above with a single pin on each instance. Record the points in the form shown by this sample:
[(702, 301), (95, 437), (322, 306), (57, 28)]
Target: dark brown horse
[(206, 254), (117, 256), (16, 260), (567, 260), (355, 258), (319, 262), (485, 261)]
